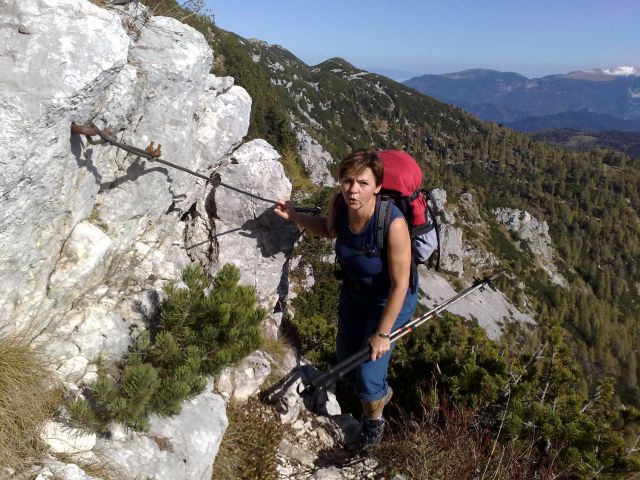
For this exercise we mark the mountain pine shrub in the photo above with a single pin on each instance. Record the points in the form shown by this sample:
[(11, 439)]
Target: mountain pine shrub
[(526, 402), (202, 328)]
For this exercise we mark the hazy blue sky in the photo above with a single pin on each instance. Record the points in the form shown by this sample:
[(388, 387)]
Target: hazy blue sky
[(531, 37)]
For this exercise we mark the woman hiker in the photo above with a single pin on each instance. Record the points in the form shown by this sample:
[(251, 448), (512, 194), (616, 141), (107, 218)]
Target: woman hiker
[(376, 297)]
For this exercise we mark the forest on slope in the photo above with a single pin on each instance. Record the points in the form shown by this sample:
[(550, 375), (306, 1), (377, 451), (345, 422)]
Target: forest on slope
[(583, 141)]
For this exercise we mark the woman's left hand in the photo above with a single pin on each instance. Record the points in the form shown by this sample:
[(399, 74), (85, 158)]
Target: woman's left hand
[(379, 346)]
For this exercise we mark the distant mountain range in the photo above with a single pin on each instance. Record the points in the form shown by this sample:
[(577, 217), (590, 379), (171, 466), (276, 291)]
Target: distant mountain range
[(595, 101)]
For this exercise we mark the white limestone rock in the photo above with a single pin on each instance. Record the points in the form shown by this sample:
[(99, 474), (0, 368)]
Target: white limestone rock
[(56, 470), (489, 308), (247, 232), (470, 206), (480, 259), (244, 380), (440, 197), (68, 60), (198, 234), (103, 327), (220, 84), (536, 235), (528, 228), (451, 250), (67, 440), (328, 473), (316, 159), (173, 63), (57, 58), (222, 122), (181, 447), (295, 453), (82, 264)]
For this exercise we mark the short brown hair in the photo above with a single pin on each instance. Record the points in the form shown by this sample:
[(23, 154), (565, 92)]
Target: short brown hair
[(358, 160)]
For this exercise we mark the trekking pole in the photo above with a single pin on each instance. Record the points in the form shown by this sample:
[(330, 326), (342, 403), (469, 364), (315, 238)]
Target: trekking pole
[(153, 154), (348, 364)]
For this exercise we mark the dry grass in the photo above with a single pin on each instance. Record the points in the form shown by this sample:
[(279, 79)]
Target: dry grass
[(180, 10), (450, 443), (249, 446), (278, 349), (94, 469), (26, 402)]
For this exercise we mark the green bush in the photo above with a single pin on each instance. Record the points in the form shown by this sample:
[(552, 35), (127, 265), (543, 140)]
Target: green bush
[(453, 355), (201, 329), (313, 328), (530, 401)]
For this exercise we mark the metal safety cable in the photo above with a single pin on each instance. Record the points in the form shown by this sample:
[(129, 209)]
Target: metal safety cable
[(153, 153)]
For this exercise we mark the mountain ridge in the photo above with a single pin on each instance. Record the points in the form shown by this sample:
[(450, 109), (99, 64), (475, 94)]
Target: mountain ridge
[(507, 97)]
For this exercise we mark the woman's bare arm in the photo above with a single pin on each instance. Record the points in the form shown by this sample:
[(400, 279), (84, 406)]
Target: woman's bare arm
[(318, 224), (399, 261)]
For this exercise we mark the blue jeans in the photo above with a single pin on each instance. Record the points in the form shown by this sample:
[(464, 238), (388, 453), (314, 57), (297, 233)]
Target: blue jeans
[(359, 313)]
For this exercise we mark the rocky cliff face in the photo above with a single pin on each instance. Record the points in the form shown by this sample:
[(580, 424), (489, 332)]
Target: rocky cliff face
[(536, 236), (88, 233), (317, 161)]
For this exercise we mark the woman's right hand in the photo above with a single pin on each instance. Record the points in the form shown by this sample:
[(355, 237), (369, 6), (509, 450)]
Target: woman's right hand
[(284, 209)]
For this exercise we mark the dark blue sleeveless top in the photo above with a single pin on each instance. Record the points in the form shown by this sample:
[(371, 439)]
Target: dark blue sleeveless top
[(359, 268)]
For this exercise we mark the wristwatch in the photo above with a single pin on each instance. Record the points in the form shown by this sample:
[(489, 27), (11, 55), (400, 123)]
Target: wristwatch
[(383, 335)]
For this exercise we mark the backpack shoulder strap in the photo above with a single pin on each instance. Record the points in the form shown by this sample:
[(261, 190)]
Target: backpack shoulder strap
[(383, 219), (382, 230), (339, 207)]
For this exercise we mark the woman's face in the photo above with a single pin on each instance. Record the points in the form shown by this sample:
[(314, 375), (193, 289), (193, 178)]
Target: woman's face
[(359, 189)]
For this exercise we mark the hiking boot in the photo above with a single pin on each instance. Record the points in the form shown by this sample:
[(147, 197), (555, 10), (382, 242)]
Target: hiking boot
[(372, 423), (370, 434)]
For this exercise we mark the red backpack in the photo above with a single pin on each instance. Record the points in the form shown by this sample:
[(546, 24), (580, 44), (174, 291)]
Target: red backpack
[(402, 186)]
